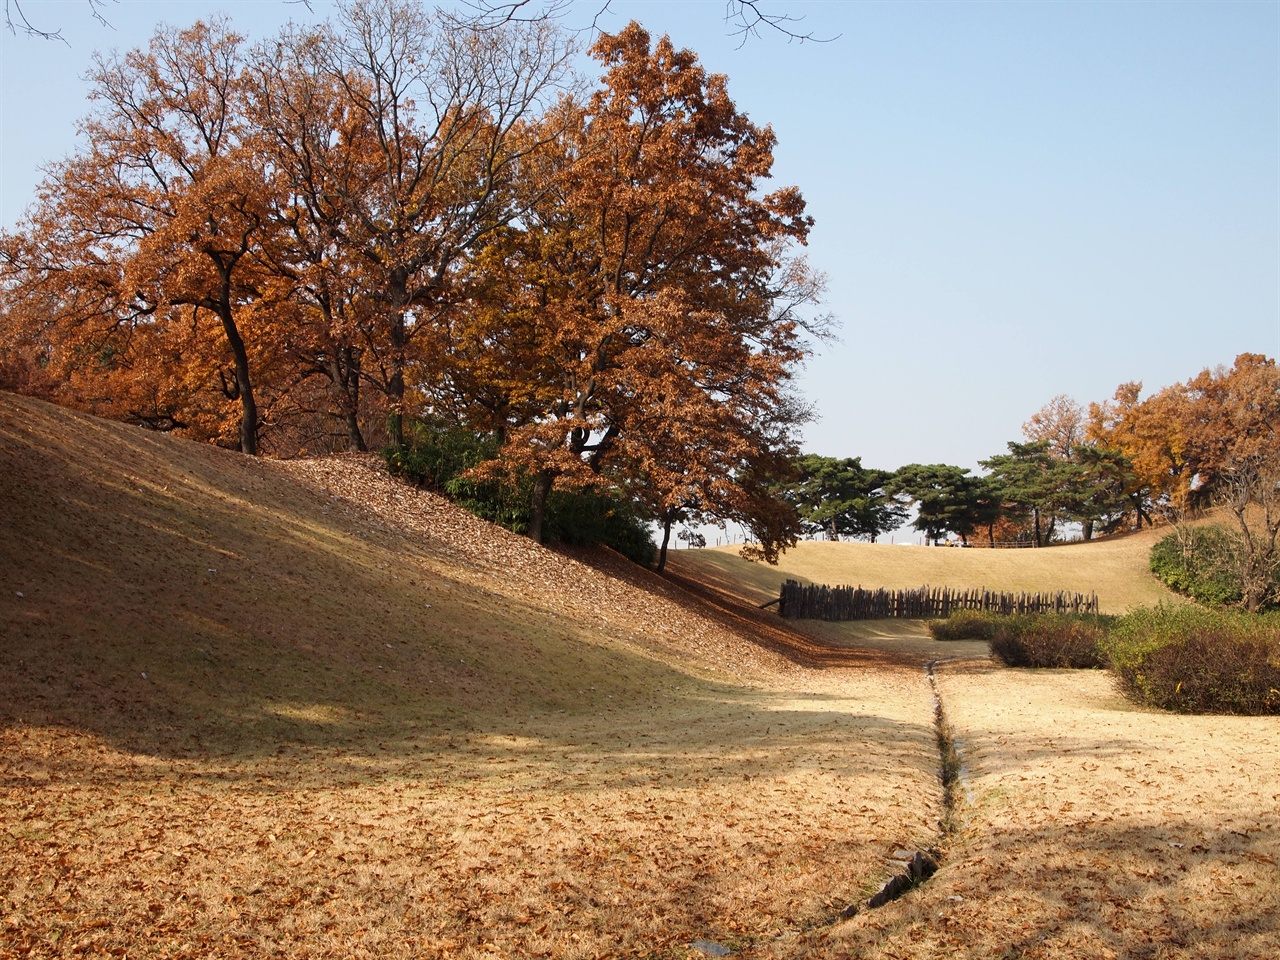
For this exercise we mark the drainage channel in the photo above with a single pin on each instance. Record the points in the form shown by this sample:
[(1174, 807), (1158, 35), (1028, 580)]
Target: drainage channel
[(917, 866)]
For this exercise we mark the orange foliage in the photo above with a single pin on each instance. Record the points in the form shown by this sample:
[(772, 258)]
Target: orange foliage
[(1181, 440), (664, 313)]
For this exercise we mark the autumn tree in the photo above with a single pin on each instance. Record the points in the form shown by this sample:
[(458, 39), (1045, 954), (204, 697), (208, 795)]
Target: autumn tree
[(1060, 425), (1149, 434), (1235, 439), (1182, 439), (443, 103), (151, 229), (317, 148), (669, 313)]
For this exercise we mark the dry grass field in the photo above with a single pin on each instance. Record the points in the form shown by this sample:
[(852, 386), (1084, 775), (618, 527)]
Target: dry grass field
[(1114, 568), (295, 709)]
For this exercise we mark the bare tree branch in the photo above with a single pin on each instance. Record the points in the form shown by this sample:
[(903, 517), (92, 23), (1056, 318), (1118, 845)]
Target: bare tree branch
[(748, 17), (16, 20)]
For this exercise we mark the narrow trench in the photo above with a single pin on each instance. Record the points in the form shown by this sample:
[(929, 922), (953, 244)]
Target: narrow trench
[(919, 865)]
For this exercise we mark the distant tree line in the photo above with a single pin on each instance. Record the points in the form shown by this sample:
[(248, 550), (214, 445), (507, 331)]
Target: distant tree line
[(1213, 441)]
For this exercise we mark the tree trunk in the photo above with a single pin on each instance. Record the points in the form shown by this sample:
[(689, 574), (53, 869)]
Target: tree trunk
[(399, 339), (1086, 530), (343, 370), (662, 551), (244, 385), (542, 485), (351, 393)]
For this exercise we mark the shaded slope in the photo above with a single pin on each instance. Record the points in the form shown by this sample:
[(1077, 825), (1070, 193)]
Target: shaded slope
[(254, 709), (169, 595)]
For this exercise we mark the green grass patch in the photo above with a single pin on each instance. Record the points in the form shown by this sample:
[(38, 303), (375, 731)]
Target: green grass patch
[(965, 625)]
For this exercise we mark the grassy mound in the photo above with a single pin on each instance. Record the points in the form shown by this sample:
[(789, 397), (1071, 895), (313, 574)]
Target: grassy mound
[(253, 708)]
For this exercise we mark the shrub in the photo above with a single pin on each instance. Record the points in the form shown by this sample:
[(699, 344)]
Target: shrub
[(965, 625), (1196, 562), (434, 454), (1050, 640), (1193, 660), (589, 517), (437, 455)]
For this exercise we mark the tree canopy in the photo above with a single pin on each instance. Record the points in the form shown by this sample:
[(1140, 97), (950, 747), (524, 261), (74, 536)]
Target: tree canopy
[(308, 242), (840, 498)]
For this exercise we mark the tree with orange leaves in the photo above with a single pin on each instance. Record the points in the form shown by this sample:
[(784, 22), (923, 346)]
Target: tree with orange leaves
[(443, 109), (669, 313), (150, 231), (1181, 440)]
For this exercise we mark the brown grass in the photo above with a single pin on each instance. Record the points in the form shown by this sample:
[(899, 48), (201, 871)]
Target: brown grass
[(242, 713), (1115, 568), (370, 726), (1093, 829)]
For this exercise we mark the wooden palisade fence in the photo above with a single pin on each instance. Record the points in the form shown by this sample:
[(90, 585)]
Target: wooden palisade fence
[(817, 602)]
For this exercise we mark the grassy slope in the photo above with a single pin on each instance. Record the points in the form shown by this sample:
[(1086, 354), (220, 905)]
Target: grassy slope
[(1115, 568), (240, 716), (357, 738)]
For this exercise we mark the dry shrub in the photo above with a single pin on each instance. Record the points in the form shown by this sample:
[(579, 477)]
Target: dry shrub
[(965, 625), (1193, 660), (1049, 640)]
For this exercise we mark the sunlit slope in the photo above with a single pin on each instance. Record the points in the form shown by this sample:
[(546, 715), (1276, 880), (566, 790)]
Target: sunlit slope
[(170, 596), (235, 691), (1116, 569)]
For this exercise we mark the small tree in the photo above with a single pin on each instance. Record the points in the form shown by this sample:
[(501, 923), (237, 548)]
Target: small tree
[(1250, 490)]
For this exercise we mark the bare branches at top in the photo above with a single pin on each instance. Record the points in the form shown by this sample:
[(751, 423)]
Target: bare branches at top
[(745, 18), (16, 20)]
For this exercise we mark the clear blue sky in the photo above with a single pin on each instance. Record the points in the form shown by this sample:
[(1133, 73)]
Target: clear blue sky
[(1013, 200)]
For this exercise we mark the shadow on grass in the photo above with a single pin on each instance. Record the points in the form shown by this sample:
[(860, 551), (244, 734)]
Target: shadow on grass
[(1171, 889)]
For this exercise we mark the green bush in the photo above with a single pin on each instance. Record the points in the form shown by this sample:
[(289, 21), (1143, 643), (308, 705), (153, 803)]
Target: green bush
[(589, 517), (1193, 660), (1050, 640), (436, 456), (501, 502), (1196, 563), (965, 625)]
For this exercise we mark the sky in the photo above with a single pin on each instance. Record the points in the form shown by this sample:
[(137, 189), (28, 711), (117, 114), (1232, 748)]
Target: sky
[(1013, 200)]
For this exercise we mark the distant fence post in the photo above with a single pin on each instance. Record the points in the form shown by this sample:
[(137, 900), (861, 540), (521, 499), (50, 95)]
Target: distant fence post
[(798, 601)]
